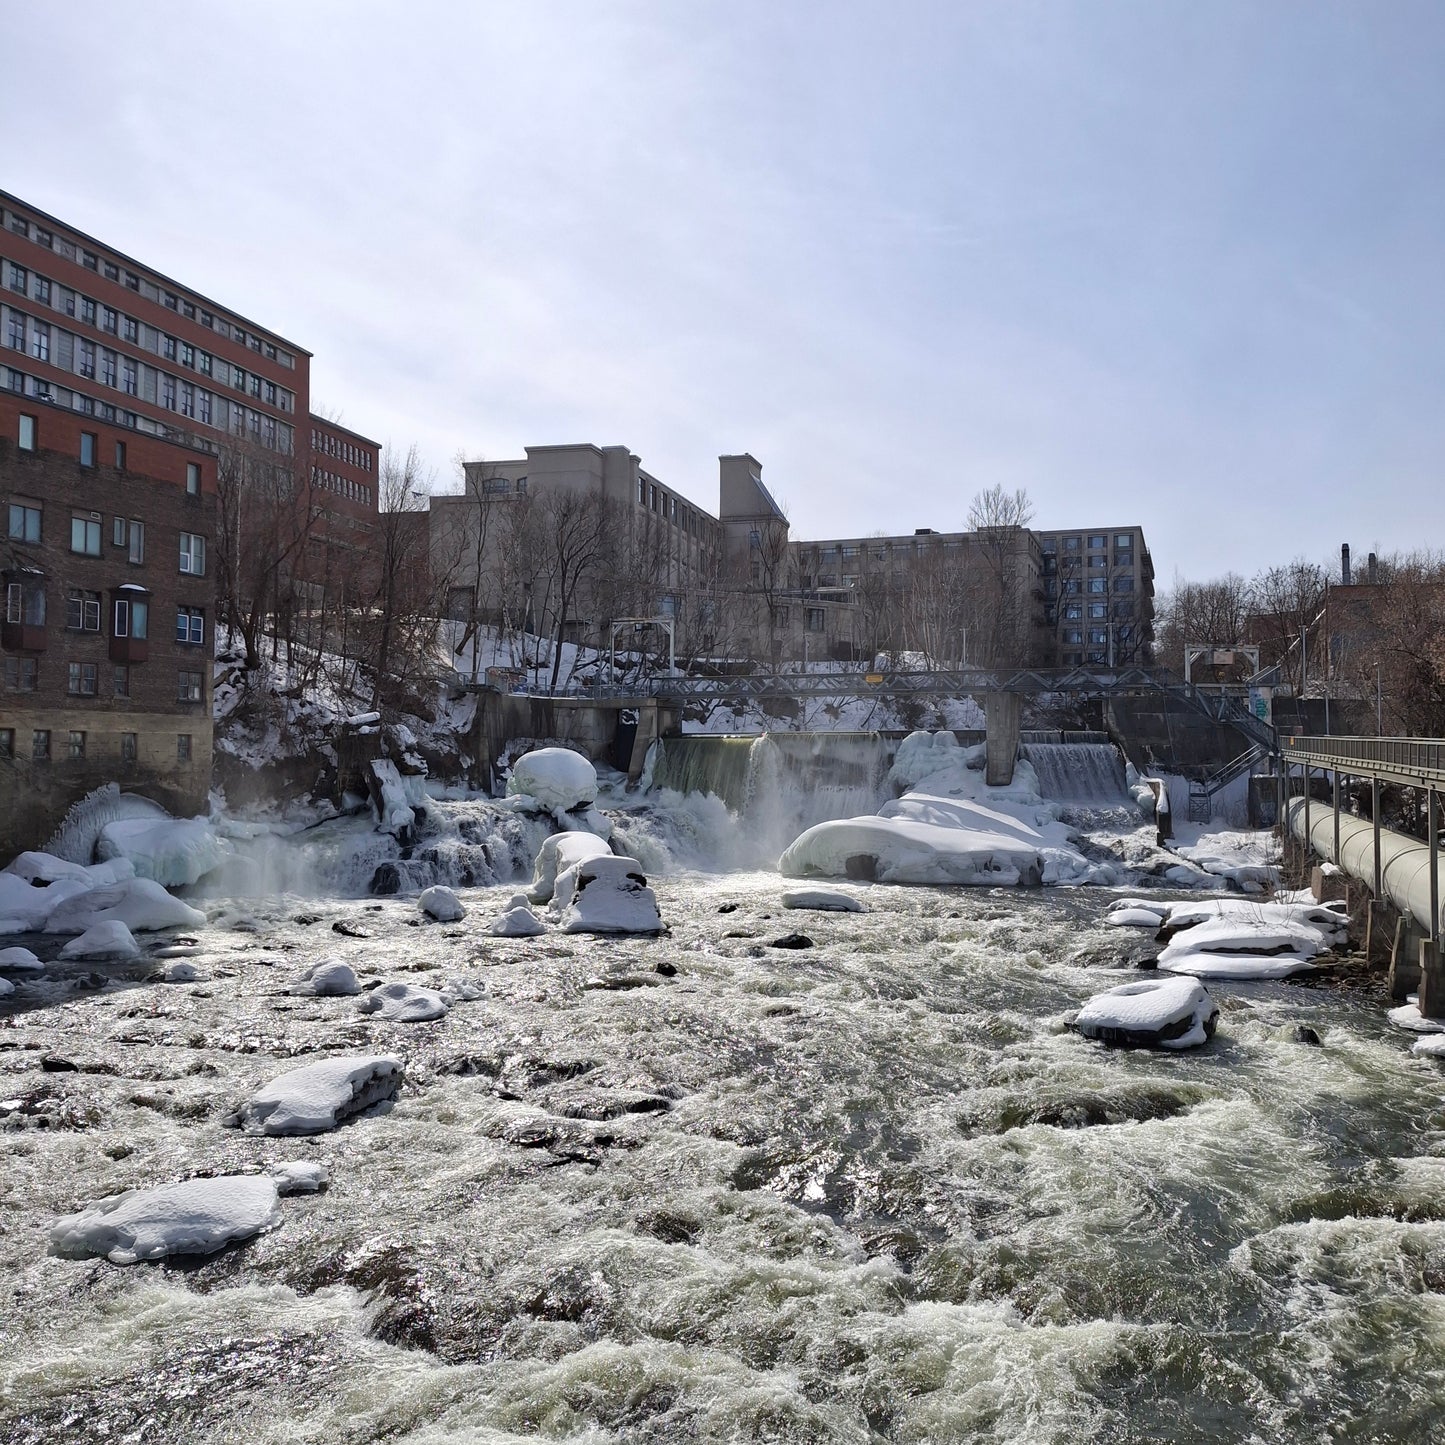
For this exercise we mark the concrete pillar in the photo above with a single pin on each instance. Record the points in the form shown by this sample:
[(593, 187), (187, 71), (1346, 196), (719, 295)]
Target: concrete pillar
[(1404, 968), (1432, 981), (1001, 714)]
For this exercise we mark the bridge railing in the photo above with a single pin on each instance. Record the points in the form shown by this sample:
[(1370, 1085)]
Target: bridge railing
[(1414, 762)]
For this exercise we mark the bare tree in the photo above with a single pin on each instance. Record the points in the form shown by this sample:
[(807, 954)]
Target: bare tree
[(576, 530), (1000, 609), (996, 506), (1286, 602), (1215, 612)]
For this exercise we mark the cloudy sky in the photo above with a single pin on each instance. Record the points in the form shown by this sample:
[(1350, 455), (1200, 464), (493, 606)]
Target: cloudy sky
[(1165, 263)]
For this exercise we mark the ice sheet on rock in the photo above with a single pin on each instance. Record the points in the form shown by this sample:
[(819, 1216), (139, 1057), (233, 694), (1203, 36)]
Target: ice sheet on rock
[(556, 855), (822, 900), (101, 941), (557, 778), (1166, 1013), (608, 895), (1241, 933), (139, 903), (1430, 1046), (1409, 1017), (331, 978), (516, 922), (403, 1003), (921, 754), (905, 850), (299, 1176), (318, 1097), (19, 960), (441, 903), (172, 851), (198, 1216), (1239, 966), (25, 908)]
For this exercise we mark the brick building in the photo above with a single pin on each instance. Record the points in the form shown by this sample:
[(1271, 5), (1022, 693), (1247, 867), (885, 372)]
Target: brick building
[(105, 648)]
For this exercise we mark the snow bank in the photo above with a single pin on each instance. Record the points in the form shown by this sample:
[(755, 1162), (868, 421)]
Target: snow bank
[(557, 778), (171, 851), (556, 855), (198, 1216), (607, 895), (331, 978), (403, 1003), (318, 1097), (442, 904), (822, 900), (103, 940), (140, 903), (1165, 1013)]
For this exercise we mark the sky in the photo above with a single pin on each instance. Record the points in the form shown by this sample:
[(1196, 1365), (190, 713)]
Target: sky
[(1156, 263)]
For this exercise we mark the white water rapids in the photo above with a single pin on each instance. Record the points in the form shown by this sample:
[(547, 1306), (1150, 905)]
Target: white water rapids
[(866, 1191)]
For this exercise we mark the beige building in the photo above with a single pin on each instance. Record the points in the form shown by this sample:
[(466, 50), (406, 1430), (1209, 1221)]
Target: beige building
[(1099, 595)]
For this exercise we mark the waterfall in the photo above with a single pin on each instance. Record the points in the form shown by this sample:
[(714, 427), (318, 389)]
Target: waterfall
[(702, 764), (1078, 772)]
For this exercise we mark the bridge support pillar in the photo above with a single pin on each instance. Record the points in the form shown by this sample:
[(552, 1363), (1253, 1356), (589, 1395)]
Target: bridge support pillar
[(1001, 714)]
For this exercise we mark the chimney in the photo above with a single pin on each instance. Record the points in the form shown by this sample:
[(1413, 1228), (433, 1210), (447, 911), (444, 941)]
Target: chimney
[(1372, 570), (1345, 564)]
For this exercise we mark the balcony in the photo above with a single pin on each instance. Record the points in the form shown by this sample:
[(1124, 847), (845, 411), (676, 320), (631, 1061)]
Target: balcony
[(22, 636), (129, 649)]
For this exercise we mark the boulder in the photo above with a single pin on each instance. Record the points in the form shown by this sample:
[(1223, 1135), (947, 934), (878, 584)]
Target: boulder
[(1162, 1013)]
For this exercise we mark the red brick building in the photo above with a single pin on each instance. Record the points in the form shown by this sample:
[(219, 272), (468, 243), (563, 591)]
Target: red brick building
[(122, 392)]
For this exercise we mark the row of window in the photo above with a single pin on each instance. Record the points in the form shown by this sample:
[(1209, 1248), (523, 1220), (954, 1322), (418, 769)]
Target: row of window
[(22, 674), (1098, 542), (1097, 562), (1073, 586), (342, 486), (335, 446), (1098, 635), (1074, 611), (112, 271), (76, 745), (127, 328), (657, 500), (124, 374)]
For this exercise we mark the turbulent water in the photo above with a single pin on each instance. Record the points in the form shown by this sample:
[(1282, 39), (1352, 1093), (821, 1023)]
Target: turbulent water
[(867, 1191)]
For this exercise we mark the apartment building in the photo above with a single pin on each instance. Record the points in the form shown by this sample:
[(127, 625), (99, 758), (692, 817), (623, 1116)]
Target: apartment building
[(1099, 595), (106, 644)]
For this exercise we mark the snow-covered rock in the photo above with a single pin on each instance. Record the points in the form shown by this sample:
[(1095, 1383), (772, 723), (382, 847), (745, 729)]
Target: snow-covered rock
[(1165, 1013), (1132, 918), (556, 855), (403, 1003), (1429, 1046), (6, 988), (518, 921), (25, 907), (557, 778), (1409, 1017), (822, 900), (921, 754), (103, 940), (1234, 938), (318, 1097), (1242, 967), (442, 904), (19, 960), (198, 1216), (171, 851), (139, 903), (181, 970), (607, 895), (299, 1176), (331, 978)]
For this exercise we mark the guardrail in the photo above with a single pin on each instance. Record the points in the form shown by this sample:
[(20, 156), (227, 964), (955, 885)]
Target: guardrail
[(1413, 762)]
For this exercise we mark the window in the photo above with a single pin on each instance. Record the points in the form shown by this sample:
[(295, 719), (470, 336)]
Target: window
[(205, 359), (132, 330), (168, 347), (109, 320), (107, 367), (1073, 612), (40, 341), (1123, 584), (1071, 544), (193, 478), (24, 523), (204, 409), (172, 302), (193, 554), (271, 393), (85, 358), (183, 747), (120, 456), (1098, 609), (813, 618), (87, 311), (21, 674), (1123, 609), (82, 679), (40, 745), (190, 626), (25, 602), (1098, 563), (15, 333), (127, 376), (255, 386), (121, 681), (132, 280), (132, 536), (82, 612), (238, 378), (168, 392), (19, 278), (1124, 539), (188, 687), (7, 742), (131, 618), (127, 747), (90, 260), (1098, 635), (87, 448), (1098, 584), (85, 536), (1074, 635), (76, 746), (1123, 559), (42, 290), (1098, 543), (1071, 586)]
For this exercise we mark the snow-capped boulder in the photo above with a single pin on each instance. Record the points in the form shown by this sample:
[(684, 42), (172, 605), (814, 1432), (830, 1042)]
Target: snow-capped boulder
[(171, 851), (1132, 918), (607, 895), (518, 921), (557, 778), (331, 978), (1429, 1046), (1265, 941), (112, 940), (42, 868), (299, 1176), (556, 855), (318, 1097), (19, 960), (442, 904), (6, 988), (139, 903), (1164, 1013), (198, 1216), (403, 1003), (823, 900), (180, 970)]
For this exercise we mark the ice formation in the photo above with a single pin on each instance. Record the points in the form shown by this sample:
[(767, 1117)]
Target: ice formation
[(403, 1003), (557, 778), (556, 855), (171, 851), (1166, 1013), (320, 1096), (140, 903), (606, 895), (441, 903), (103, 940), (822, 900), (198, 1216)]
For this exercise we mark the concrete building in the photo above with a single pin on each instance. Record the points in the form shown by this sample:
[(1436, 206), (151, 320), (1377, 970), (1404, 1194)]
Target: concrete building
[(1099, 595)]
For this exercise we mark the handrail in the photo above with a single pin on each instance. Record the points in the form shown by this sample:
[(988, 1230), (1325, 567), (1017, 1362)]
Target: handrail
[(1413, 762)]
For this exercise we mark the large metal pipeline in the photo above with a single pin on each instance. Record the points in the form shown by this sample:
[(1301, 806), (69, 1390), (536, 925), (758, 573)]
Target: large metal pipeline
[(1404, 861)]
